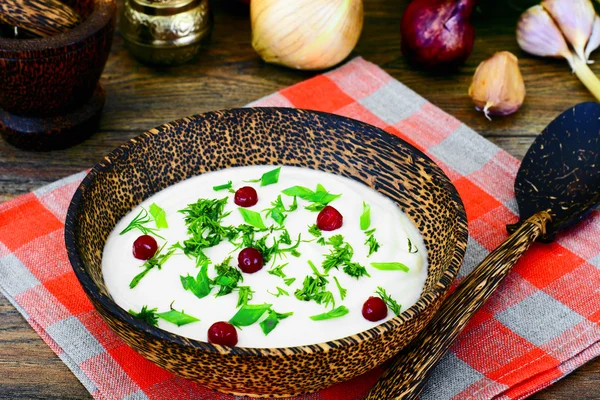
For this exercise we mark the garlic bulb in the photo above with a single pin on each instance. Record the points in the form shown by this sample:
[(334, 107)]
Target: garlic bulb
[(538, 34), (594, 41), (575, 19), (305, 34), (498, 87)]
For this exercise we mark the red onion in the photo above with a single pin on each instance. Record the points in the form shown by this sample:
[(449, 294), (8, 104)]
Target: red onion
[(437, 34)]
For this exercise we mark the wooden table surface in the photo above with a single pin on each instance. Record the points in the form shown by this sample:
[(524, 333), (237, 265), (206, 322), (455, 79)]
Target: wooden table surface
[(230, 74)]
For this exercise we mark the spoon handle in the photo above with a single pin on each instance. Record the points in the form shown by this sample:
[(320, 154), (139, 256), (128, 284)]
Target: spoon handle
[(405, 378)]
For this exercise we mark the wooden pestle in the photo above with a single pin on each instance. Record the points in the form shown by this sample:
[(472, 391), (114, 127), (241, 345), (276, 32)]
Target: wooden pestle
[(40, 17)]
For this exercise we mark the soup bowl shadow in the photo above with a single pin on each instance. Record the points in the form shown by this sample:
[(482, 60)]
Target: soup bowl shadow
[(277, 136)]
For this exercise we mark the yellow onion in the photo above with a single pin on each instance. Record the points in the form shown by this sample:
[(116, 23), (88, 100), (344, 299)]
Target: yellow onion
[(498, 87), (305, 34)]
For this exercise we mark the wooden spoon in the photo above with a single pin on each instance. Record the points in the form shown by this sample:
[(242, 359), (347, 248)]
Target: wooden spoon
[(558, 184), (40, 17)]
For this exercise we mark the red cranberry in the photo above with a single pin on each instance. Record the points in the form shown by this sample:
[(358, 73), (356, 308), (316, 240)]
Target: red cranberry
[(250, 260), (374, 309), (245, 197), (144, 247), (329, 219), (222, 333)]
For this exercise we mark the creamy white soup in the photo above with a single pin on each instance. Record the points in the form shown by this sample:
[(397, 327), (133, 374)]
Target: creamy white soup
[(194, 278)]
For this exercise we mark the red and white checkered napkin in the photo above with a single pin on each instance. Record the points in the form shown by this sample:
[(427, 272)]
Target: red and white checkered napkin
[(543, 322)]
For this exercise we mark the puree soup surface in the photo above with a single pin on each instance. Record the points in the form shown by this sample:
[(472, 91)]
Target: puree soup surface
[(160, 288)]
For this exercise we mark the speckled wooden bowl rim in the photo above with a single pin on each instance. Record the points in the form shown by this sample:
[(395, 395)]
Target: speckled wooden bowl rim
[(425, 300), (83, 35)]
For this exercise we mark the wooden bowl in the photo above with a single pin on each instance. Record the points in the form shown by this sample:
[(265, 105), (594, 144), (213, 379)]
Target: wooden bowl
[(55, 75), (191, 146)]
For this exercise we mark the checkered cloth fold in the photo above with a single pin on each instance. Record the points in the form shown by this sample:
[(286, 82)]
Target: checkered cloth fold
[(543, 322)]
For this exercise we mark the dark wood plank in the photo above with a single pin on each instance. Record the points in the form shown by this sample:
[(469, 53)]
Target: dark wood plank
[(229, 74)]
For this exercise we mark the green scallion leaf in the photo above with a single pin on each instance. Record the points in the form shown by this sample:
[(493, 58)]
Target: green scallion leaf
[(412, 247), (178, 318), (228, 185), (390, 266), (365, 218), (270, 177), (249, 314), (201, 286), (252, 218), (159, 215), (335, 313), (272, 320)]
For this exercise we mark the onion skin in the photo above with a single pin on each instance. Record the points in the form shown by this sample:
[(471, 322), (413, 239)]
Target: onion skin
[(438, 34)]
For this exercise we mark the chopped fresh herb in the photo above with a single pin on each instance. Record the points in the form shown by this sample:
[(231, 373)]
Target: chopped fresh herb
[(285, 237), (391, 303), (371, 242), (272, 320), (252, 218), (156, 261), (315, 207), (148, 316), (321, 241), (178, 318), (278, 211), (340, 288), (139, 222), (288, 281), (340, 254), (159, 215), (390, 266), (355, 270), (227, 278), (249, 314), (270, 177), (245, 294), (315, 288), (278, 271), (173, 316), (203, 220), (365, 217), (321, 197), (201, 286), (280, 292), (412, 247), (335, 313), (314, 230), (315, 270), (228, 186)]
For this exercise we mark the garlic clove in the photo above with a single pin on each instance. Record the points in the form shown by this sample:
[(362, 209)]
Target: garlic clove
[(537, 34), (305, 34), (594, 41), (575, 18), (498, 87)]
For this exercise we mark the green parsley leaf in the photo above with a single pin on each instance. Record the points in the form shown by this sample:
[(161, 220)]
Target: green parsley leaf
[(365, 217), (148, 316), (280, 292), (249, 314), (285, 237), (321, 241), (289, 281), (412, 247), (178, 318), (228, 186), (314, 230), (335, 313), (340, 288), (252, 218), (201, 286), (156, 261), (390, 266), (391, 303), (245, 294), (159, 215), (272, 320), (268, 178), (139, 222), (278, 271), (227, 278)]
